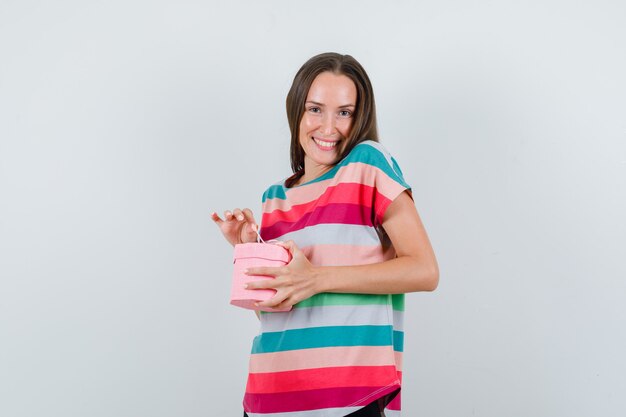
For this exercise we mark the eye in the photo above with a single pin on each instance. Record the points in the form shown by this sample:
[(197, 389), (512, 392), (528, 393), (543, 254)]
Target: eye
[(314, 109), (345, 113)]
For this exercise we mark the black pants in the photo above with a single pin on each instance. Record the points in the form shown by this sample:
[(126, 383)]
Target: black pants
[(371, 410)]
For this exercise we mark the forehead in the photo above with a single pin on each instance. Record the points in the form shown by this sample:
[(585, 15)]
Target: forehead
[(331, 88)]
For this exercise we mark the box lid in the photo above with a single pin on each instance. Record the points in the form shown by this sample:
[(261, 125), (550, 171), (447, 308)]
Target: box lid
[(268, 251)]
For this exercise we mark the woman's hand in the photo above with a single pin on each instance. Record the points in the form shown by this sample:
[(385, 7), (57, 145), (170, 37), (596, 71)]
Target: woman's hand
[(238, 226), (293, 282)]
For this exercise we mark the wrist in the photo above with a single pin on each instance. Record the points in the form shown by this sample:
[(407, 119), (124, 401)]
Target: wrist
[(320, 275)]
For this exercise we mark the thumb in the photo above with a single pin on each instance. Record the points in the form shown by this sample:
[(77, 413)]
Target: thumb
[(290, 245)]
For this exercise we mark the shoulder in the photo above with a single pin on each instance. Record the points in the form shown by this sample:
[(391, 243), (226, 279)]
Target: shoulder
[(276, 190), (375, 155)]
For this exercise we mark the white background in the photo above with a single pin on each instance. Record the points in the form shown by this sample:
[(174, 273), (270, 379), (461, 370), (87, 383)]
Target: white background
[(123, 124)]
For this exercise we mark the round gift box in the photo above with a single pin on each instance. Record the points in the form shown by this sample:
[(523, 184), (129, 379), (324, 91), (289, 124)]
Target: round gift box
[(248, 255)]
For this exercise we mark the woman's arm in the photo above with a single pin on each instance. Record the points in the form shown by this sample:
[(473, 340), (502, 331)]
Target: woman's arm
[(414, 269)]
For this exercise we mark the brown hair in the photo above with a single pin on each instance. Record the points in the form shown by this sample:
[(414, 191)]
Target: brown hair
[(364, 123)]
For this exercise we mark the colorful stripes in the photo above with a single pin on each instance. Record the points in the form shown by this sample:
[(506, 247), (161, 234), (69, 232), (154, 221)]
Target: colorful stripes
[(327, 234), (331, 316), (325, 357), (328, 412), (332, 353), (328, 336), (342, 193), (369, 153), (324, 299), (318, 399), (319, 378), (341, 213), (356, 177)]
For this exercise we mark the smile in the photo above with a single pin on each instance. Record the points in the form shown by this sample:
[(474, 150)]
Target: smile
[(324, 144)]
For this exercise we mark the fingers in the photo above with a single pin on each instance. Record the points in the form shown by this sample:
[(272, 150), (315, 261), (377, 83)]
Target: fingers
[(247, 213), (268, 304), (235, 215), (282, 299), (237, 226), (228, 215), (290, 245), (216, 218), (271, 271), (265, 284), (238, 214), (278, 301)]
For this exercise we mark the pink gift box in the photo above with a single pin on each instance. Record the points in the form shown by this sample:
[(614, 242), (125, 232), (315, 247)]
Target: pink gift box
[(248, 255)]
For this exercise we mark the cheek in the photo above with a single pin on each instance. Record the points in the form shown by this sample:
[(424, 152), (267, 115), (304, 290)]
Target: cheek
[(306, 124), (345, 126), (304, 130)]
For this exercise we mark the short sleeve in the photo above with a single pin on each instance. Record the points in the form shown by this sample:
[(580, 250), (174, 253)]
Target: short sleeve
[(383, 173)]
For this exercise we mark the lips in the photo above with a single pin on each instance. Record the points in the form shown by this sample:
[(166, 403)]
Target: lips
[(325, 144)]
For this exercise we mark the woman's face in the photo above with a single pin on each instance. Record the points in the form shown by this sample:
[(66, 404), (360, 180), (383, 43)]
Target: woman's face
[(326, 122)]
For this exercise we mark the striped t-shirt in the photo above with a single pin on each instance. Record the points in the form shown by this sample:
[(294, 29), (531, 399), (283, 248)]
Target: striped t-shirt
[(332, 354)]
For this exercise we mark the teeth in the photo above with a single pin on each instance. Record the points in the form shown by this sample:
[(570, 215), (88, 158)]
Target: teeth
[(325, 144)]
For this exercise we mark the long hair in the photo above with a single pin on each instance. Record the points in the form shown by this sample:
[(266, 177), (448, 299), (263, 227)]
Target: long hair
[(364, 124)]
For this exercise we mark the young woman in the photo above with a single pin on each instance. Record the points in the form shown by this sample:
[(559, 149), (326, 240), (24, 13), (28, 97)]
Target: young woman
[(357, 245)]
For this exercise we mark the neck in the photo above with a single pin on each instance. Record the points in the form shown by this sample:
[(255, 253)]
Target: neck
[(312, 171)]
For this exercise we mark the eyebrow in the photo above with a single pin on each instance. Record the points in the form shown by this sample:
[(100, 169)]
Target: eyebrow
[(322, 105)]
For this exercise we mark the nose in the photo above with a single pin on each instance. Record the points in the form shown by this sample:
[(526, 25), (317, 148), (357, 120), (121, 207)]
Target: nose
[(328, 125)]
